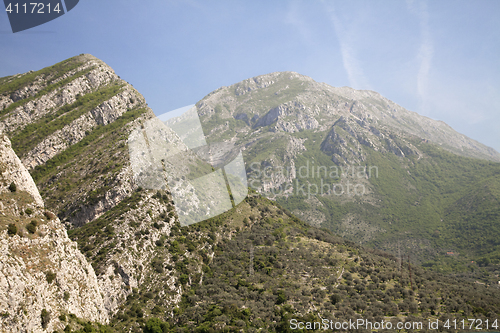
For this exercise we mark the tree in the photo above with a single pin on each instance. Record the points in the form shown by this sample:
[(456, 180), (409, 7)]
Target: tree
[(281, 297), (12, 187)]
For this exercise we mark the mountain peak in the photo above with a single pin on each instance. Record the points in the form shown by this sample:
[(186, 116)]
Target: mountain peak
[(303, 100)]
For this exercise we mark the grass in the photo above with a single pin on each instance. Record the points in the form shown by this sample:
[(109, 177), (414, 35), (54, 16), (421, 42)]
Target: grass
[(82, 174), (44, 91), (75, 150), (52, 73), (34, 133)]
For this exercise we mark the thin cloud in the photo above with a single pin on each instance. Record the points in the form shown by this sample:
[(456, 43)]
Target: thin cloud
[(425, 52), (355, 73), (294, 17)]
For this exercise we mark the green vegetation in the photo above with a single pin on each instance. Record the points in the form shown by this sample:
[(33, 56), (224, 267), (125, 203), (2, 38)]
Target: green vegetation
[(50, 276), (45, 317), (44, 91), (34, 133), (101, 231), (272, 269), (91, 164), (12, 229), (427, 206), (31, 227), (12, 187), (51, 74), (75, 150)]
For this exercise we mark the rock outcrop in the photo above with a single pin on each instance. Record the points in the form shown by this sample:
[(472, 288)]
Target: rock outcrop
[(12, 171), (43, 275)]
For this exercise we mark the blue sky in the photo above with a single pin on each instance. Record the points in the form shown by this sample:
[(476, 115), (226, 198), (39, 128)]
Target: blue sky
[(438, 58)]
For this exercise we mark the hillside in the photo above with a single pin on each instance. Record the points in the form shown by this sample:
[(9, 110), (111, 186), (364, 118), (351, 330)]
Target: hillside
[(362, 166), (69, 124), (256, 266)]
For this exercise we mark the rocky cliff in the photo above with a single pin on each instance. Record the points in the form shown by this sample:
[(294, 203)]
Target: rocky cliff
[(69, 124), (13, 172), (287, 102), (43, 275)]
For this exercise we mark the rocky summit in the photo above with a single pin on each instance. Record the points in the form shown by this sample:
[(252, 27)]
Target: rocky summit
[(85, 248)]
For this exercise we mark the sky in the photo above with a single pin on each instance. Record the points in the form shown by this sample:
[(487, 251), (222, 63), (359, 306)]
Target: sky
[(437, 58)]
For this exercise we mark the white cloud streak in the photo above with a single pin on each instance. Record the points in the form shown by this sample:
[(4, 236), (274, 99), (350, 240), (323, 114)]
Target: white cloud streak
[(295, 18), (352, 66), (425, 52)]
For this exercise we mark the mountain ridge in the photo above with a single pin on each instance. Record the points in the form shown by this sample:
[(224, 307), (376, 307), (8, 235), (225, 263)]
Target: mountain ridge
[(353, 95)]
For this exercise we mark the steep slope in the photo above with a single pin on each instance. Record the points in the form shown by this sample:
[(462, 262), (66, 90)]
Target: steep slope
[(69, 124), (43, 275), (257, 267), (14, 174)]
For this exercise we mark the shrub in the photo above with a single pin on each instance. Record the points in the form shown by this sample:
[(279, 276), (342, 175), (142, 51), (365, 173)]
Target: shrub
[(183, 279), (12, 229), (29, 211), (45, 316), (158, 225), (157, 265), (155, 325), (50, 276), (12, 187), (62, 317), (31, 227), (281, 297), (66, 295), (49, 215)]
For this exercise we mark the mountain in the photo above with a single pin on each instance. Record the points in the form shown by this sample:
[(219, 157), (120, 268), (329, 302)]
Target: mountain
[(68, 124), (256, 266), (362, 166)]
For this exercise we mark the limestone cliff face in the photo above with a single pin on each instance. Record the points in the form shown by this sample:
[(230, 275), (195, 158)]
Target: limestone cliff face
[(42, 273), (26, 263), (13, 171)]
